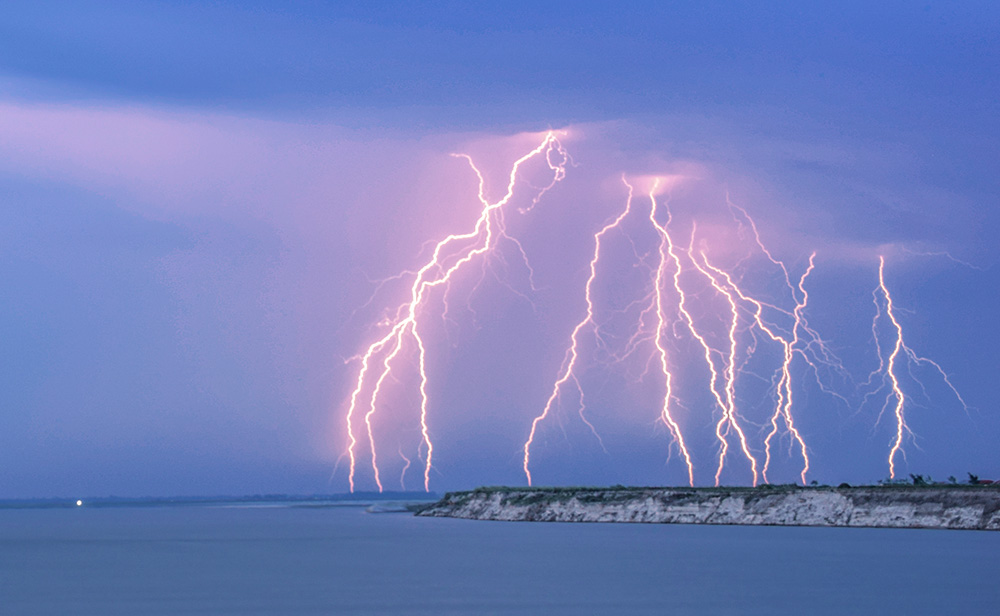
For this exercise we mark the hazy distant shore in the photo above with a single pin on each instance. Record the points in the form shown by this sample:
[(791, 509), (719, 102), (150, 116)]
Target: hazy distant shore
[(945, 507), (357, 499)]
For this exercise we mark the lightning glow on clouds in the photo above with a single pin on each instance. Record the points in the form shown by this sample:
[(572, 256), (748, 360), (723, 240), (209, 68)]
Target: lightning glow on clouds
[(727, 323)]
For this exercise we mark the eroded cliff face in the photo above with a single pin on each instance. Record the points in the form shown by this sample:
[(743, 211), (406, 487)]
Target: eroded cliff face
[(895, 507)]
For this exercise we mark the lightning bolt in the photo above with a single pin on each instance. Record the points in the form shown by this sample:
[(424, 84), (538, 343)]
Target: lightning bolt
[(406, 467), (900, 351), (783, 406), (901, 426), (812, 341), (748, 320), (459, 250), (790, 348), (730, 419), (665, 248), (572, 352), (803, 342), (689, 321), (657, 306)]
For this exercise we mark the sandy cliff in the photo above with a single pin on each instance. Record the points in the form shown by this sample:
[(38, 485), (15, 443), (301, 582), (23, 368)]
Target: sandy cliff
[(967, 508)]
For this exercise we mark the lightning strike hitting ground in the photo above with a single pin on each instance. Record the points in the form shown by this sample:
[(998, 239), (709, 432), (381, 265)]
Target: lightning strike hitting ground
[(784, 323), (790, 349), (666, 245), (901, 426), (572, 353), (730, 418), (891, 366), (449, 256), (713, 384), (723, 394), (783, 406)]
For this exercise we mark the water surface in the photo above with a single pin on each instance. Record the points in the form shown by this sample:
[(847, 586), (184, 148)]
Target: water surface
[(293, 560)]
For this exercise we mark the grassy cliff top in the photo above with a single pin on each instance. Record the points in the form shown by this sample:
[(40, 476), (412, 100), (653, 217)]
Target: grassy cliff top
[(761, 489)]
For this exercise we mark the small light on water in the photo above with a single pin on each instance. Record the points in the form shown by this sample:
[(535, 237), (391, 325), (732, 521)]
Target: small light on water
[(79, 503)]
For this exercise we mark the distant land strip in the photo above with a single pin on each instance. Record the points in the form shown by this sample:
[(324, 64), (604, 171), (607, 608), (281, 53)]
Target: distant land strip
[(356, 499), (944, 507)]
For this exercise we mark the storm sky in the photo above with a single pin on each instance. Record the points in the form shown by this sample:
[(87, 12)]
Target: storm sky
[(198, 201)]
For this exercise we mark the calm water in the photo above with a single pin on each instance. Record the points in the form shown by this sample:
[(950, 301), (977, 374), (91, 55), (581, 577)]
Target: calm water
[(281, 560)]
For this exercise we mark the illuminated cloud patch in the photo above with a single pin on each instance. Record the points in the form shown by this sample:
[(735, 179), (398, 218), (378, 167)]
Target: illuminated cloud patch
[(247, 266)]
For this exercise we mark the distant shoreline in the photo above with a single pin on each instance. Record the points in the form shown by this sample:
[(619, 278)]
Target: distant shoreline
[(357, 499), (957, 507)]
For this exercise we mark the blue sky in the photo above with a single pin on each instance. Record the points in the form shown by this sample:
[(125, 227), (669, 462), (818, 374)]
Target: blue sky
[(196, 197)]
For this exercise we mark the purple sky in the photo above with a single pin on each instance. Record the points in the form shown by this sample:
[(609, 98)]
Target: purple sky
[(197, 202)]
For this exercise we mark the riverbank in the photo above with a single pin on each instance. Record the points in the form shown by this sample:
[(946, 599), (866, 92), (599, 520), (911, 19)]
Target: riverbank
[(946, 507)]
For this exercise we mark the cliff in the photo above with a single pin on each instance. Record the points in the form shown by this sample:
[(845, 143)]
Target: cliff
[(960, 507)]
